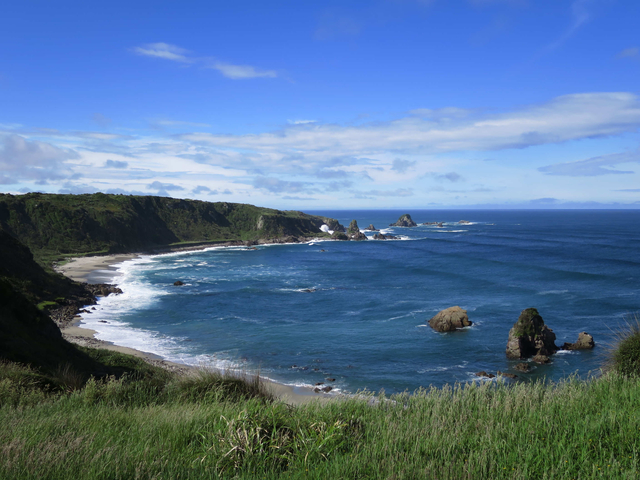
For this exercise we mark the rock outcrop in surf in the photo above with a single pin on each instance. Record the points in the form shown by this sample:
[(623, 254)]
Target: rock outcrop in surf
[(450, 319), (371, 228), (530, 337), (380, 236), (404, 221), (584, 342)]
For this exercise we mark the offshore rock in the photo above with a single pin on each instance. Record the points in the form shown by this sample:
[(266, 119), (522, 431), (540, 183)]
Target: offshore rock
[(506, 375), (380, 236), (529, 336), (354, 232), (522, 367), (371, 228), (177, 283), (404, 221), (353, 228), (485, 374), (450, 319), (541, 359), (584, 342), (464, 222), (339, 236)]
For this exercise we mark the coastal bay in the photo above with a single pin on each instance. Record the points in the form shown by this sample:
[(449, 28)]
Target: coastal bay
[(323, 309)]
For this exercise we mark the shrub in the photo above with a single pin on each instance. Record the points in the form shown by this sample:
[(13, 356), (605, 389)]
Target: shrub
[(625, 354)]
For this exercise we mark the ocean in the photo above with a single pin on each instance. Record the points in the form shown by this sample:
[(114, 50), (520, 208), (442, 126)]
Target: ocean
[(357, 312)]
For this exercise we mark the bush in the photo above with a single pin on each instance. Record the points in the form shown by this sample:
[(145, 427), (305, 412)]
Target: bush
[(625, 354)]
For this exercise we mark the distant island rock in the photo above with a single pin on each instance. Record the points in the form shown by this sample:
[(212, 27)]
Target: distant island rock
[(404, 221), (354, 233), (371, 228), (450, 319), (464, 222)]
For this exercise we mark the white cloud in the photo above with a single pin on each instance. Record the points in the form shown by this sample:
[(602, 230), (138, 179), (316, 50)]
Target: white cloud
[(176, 54), (165, 51), (565, 118), (34, 160), (242, 71), (300, 122)]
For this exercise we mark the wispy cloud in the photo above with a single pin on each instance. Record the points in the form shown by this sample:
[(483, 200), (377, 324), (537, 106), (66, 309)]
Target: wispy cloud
[(242, 71), (300, 122), (595, 166), (569, 117), (400, 192), (115, 164), (450, 176), (275, 185), (401, 166), (174, 53), (165, 51), (629, 52)]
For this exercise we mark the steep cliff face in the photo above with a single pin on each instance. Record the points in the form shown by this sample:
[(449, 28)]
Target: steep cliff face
[(98, 223), (27, 334)]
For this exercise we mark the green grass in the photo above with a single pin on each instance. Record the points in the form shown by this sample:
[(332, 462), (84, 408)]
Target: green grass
[(156, 425), (42, 305)]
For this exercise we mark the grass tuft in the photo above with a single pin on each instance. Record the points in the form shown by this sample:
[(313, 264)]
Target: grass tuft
[(624, 354)]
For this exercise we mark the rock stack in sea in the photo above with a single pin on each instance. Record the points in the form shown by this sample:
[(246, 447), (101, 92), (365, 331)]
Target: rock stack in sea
[(450, 319), (354, 233), (530, 337), (404, 221)]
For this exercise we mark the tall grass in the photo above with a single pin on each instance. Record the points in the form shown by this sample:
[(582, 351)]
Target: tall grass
[(210, 426), (624, 354)]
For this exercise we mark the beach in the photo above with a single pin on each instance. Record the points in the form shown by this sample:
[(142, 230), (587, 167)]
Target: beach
[(103, 269)]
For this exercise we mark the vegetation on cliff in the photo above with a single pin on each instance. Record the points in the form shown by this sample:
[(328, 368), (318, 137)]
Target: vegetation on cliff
[(54, 225)]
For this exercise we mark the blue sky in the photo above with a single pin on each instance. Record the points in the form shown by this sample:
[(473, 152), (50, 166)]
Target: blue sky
[(325, 104)]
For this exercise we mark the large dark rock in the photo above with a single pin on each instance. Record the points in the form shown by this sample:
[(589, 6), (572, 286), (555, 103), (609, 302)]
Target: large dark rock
[(353, 228), (404, 221), (371, 228), (450, 319), (354, 233), (339, 236), (530, 336), (584, 342)]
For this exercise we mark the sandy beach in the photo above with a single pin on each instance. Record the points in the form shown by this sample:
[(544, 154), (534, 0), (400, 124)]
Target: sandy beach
[(103, 269)]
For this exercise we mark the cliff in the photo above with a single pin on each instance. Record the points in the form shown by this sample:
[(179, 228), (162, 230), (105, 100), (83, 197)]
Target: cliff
[(53, 225)]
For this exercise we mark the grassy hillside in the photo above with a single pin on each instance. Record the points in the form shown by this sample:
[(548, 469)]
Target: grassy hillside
[(54, 225), (212, 427)]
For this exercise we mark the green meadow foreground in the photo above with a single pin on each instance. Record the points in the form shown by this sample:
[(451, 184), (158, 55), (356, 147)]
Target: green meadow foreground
[(153, 424)]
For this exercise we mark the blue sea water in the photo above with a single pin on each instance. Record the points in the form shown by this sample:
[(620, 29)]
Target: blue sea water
[(363, 322)]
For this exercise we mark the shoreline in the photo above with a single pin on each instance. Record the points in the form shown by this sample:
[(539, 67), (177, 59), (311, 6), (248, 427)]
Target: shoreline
[(103, 269)]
